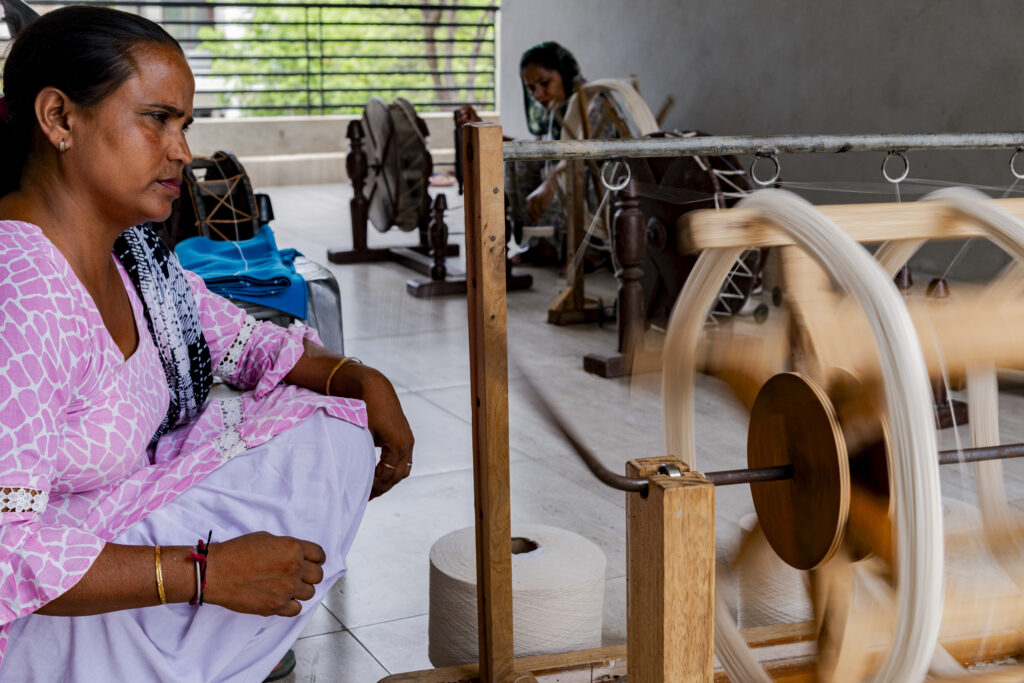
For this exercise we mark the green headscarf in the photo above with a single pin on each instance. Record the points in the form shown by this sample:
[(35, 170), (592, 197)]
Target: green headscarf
[(552, 56)]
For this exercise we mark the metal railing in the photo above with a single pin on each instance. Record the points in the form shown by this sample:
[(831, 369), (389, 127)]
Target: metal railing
[(277, 58)]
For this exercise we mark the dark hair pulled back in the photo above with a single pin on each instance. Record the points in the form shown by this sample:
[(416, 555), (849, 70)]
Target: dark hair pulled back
[(86, 52), (553, 57)]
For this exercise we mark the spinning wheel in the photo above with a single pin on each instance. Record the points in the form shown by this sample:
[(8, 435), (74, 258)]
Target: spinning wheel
[(647, 248), (668, 187), (17, 15), (390, 167), (859, 442), (217, 201), (390, 159), (399, 165), (606, 108), (670, 512)]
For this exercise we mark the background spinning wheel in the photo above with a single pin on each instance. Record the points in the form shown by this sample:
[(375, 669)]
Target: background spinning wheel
[(399, 165), (668, 187), (847, 421), (217, 201), (648, 263), (390, 167)]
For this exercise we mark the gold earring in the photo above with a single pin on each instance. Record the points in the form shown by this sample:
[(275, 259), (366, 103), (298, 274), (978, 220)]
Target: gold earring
[(62, 147)]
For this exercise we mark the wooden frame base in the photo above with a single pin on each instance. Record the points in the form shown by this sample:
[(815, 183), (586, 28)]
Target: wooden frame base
[(455, 283), (588, 665), (414, 258), (769, 643), (564, 312), (608, 365)]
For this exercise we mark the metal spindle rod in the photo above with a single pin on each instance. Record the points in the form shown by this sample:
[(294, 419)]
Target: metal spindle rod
[(1011, 450), (731, 477), (781, 473), (715, 145), (750, 476)]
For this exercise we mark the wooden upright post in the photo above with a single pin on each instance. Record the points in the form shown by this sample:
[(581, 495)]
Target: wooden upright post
[(488, 356), (630, 246), (670, 576), (575, 229)]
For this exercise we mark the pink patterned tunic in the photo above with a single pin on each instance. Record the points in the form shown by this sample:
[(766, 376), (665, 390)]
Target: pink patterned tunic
[(76, 417)]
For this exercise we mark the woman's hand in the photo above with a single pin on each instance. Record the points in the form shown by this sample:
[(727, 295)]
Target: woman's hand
[(537, 202), (390, 431), (386, 420), (263, 574), (257, 573), (466, 114)]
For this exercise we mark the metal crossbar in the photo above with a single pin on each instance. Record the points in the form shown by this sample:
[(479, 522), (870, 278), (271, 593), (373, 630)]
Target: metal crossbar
[(716, 145)]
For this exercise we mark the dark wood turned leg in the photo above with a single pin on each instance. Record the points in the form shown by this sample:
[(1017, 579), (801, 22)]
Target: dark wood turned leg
[(437, 233), (443, 281), (630, 244), (357, 167)]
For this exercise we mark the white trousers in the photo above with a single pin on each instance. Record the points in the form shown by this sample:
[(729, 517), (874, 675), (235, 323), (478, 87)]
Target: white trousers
[(311, 482)]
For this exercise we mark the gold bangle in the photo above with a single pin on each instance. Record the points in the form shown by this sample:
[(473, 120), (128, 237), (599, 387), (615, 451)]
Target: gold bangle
[(327, 387), (160, 579)]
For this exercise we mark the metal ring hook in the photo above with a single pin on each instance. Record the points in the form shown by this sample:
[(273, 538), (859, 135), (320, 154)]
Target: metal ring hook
[(1013, 168), (607, 174), (906, 166), (770, 155)]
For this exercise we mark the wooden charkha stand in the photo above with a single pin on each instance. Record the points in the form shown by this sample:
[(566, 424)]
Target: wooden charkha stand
[(379, 167), (671, 526), (657, 528)]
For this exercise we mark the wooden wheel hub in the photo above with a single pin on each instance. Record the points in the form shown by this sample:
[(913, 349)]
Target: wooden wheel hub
[(794, 423)]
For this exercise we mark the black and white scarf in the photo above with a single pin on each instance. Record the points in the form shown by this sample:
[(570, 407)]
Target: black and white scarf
[(173, 318)]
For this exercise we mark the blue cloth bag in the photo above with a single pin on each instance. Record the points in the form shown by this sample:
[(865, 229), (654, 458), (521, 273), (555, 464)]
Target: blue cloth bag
[(252, 270)]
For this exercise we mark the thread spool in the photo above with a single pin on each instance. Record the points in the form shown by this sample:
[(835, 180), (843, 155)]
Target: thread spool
[(558, 580)]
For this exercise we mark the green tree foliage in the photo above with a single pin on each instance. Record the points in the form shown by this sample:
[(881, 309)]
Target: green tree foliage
[(319, 59)]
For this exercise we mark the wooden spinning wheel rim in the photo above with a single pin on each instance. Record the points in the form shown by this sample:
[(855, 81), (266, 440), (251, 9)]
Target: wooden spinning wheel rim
[(399, 164), (793, 423)]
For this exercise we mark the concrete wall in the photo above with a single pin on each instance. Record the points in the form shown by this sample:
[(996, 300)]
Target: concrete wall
[(301, 150), (778, 66)]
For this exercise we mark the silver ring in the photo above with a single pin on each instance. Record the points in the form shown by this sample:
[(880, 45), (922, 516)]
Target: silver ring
[(1013, 168), (606, 176), (906, 166), (770, 155), (408, 464)]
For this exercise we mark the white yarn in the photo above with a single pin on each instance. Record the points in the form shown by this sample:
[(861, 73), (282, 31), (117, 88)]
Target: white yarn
[(1007, 231), (630, 107), (914, 468), (557, 595)]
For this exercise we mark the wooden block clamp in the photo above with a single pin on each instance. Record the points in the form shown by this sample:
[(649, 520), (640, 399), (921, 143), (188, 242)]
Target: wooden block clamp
[(670, 574)]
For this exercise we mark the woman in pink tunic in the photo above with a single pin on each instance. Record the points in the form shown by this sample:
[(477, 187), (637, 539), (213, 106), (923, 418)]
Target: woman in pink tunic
[(114, 462)]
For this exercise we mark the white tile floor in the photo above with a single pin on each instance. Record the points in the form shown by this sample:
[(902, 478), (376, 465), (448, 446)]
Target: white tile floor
[(374, 621)]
